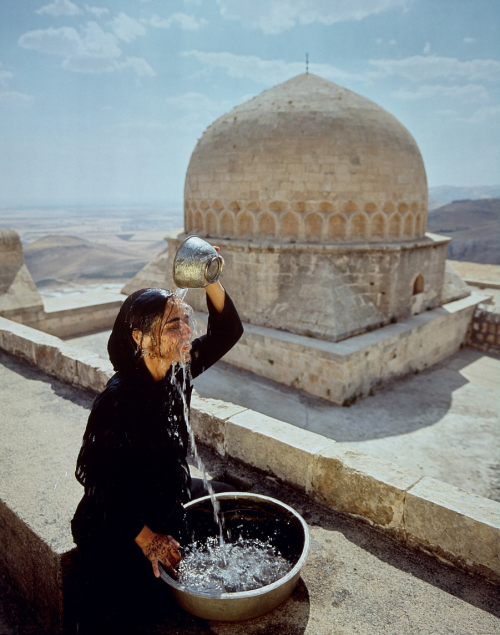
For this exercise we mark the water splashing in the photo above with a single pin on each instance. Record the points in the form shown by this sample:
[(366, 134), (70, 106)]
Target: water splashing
[(248, 564)]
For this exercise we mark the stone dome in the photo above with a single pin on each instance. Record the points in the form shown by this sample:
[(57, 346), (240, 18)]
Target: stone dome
[(307, 161)]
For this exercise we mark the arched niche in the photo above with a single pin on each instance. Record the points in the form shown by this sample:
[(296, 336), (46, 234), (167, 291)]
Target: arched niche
[(217, 206), (227, 225), (378, 226), (370, 208), (418, 284), (244, 225), (198, 222), (290, 226), (395, 226), (359, 224), (211, 224), (418, 225), (267, 225), (337, 227), (408, 225), (313, 227), (188, 220)]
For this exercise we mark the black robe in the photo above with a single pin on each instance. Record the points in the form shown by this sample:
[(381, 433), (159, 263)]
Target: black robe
[(133, 457)]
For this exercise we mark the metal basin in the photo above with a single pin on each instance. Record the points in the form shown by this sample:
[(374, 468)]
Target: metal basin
[(264, 518)]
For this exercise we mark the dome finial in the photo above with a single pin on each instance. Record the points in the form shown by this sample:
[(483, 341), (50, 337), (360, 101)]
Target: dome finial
[(307, 63)]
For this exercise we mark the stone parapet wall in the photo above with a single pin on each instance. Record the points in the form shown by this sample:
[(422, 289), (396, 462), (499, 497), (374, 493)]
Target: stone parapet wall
[(70, 322), (484, 330)]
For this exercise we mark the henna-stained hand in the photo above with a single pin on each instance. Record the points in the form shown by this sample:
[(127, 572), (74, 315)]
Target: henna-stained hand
[(164, 549)]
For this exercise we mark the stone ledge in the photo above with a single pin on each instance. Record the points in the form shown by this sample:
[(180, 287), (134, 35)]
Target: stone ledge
[(455, 524), (275, 447), (54, 357), (427, 514), (363, 485)]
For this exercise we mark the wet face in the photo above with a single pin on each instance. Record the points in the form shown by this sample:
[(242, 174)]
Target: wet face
[(176, 332), (169, 339)]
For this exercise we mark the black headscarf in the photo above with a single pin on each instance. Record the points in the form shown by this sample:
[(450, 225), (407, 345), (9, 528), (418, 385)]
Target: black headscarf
[(139, 311)]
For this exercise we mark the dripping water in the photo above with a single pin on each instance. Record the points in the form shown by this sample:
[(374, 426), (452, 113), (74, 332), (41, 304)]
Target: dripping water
[(218, 517)]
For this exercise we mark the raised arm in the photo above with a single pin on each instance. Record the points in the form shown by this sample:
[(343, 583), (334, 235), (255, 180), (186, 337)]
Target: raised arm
[(223, 331)]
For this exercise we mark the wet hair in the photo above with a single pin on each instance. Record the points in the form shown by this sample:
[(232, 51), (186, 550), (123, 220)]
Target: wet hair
[(141, 310)]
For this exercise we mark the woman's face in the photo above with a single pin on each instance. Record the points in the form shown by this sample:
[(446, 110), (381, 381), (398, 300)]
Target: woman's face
[(170, 337), (176, 332)]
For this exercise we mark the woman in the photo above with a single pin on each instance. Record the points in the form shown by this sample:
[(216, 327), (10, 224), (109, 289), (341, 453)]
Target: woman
[(133, 458)]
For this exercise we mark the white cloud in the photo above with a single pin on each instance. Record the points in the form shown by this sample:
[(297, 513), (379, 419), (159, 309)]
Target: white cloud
[(193, 101), (427, 48), (270, 72), (422, 68), (393, 42), (60, 7), (5, 77), (140, 66), (144, 126), (276, 16), (90, 50), (62, 41), (466, 93), (97, 11), (185, 21), (13, 99), (447, 112), (469, 40), (379, 40), (127, 28), (483, 114)]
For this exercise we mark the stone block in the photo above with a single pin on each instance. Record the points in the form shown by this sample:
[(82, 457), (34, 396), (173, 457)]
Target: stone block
[(360, 484), (454, 524), (275, 447), (208, 419)]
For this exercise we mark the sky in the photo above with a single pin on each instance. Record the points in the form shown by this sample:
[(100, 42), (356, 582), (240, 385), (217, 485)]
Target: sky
[(103, 104)]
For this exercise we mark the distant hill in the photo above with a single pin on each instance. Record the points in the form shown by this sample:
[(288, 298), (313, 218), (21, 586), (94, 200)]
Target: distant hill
[(474, 227), (69, 258), (444, 194)]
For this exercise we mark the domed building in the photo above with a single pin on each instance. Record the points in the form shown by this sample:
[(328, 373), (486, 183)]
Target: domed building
[(307, 161), (318, 198)]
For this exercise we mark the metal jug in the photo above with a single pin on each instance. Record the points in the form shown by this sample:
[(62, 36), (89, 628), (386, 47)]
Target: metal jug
[(196, 264)]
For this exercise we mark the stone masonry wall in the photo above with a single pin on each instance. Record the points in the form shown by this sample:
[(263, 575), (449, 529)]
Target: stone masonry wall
[(484, 330), (330, 292)]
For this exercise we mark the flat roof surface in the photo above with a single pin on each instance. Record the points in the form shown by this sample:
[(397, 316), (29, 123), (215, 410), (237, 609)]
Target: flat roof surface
[(356, 580)]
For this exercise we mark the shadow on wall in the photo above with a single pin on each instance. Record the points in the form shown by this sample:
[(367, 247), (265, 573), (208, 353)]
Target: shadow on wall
[(409, 404)]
